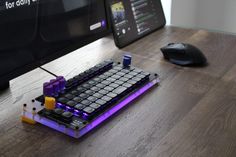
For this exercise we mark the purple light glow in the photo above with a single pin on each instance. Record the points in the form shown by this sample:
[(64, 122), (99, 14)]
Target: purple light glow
[(97, 121), (103, 23), (116, 108), (68, 108)]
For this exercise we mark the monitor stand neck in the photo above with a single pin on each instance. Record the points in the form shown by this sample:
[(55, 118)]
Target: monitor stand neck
[(4, 86)]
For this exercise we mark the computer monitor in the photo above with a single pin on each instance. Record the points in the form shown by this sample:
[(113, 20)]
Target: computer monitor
[(34, 32)]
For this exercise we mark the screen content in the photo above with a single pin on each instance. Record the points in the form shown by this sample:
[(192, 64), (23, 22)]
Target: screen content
[(32, 30), (133, 19)]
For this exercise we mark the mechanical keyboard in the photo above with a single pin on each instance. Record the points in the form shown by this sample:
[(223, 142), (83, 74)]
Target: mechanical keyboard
[(79, 104)]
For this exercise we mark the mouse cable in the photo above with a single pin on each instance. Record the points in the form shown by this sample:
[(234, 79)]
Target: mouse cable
[(48, 71)]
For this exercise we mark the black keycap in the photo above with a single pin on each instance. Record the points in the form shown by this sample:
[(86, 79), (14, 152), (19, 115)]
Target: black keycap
[(95, 106), (89, 92), (116, 76), (100, 85), (86, 85), (106, 82), (106, 98), (95, 89), (83, 95), (77, 99), (63, 100), (69, 96), (101, 102), (112, 95), (125, 71), (97, 79), (89, 72), (123, 79), (98, 95), (117, 68), (137, 70), (133, 82), (114, 85), (131, 68), (81, 89), (133, 73), (113, 71), (109, 88), (79, 78), (89, 110), (119, 82), (103, 77), (92, 99), (75, 92), (137, 79), (128, 76), (120, 73), (140, 76), (79, 107), (119, 90), (58, 111), (71, 103), (86, 102), (146, 74), (104, 92), (67, 115), (107, 74), (127, 85), (92, 83), (111, 79)]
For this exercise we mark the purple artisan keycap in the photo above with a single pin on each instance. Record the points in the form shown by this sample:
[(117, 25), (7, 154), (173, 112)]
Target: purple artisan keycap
[(52, 81), (48, 90), (62, 82), (56, 88), (44, 87), (127, 60)]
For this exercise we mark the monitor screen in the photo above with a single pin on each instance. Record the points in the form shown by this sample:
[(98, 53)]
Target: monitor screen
[(134, 19), (34, 32)]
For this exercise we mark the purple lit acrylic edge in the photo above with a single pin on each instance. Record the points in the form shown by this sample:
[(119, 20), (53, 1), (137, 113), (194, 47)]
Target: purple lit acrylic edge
[(97, 121)]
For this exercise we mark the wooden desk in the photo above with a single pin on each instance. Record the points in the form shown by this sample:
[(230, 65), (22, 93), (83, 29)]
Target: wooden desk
[(192, 113)]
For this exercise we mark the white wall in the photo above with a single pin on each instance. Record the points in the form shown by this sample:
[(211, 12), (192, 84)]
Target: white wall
[(209, 14), (167, 9)]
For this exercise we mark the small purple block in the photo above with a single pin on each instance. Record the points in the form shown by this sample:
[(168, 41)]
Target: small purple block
[(127, 59), (62, 82), (48, 90), (56, 87)]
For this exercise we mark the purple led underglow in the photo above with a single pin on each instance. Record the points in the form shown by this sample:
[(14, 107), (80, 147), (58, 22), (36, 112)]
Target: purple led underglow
[(116, 108), (97, 121)]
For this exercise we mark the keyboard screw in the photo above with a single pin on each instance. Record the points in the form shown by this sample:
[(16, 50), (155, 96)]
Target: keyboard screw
[(34, 112), (24, 109)]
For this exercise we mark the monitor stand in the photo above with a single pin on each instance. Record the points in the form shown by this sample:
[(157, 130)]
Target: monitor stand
[(4, 86)]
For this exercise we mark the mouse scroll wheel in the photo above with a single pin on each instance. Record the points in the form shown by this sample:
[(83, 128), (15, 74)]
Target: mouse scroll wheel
[(171, 44)]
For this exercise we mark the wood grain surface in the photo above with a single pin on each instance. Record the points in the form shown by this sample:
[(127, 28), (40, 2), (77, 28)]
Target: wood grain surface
[(191, 114)]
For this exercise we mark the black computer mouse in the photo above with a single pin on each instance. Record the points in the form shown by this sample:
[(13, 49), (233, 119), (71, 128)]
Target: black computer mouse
[(184, 54)]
